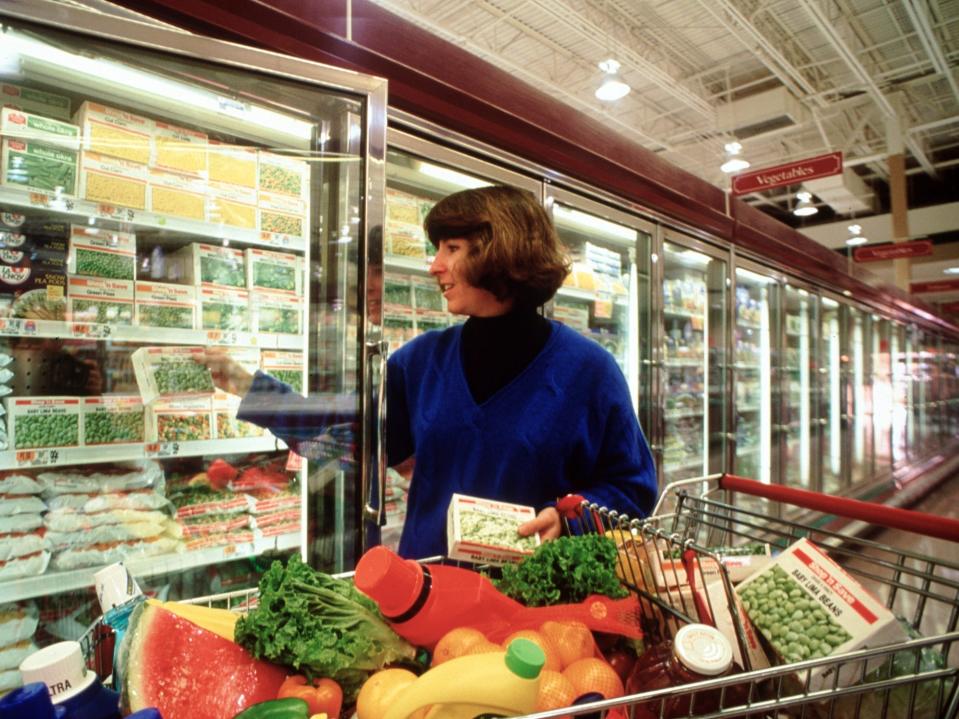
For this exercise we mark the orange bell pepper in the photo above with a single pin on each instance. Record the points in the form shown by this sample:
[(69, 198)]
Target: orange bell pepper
[(323, 696)]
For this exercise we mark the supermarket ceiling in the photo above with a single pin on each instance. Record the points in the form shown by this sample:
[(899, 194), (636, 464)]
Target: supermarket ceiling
[(788, 79)]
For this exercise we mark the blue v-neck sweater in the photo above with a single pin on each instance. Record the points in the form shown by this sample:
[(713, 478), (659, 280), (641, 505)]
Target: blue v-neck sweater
[(564, 425)]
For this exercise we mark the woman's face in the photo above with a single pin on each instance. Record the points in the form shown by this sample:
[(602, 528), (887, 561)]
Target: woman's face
[(462, 298)]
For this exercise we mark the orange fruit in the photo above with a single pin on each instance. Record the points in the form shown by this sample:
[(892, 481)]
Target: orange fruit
[(380, 691), (555, 691), (572, 640), (455, 643), (553, 661), (483, 647), (594, 675)]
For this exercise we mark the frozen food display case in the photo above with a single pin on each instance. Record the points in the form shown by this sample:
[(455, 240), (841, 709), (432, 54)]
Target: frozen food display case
[(757, 302), (693, 384), (605, 297), (798, 377), (829, 368), (857, 395), (162, 194), (882, 397)]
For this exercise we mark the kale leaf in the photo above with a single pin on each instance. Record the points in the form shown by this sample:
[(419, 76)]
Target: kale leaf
[(564, 571), (319, 625)]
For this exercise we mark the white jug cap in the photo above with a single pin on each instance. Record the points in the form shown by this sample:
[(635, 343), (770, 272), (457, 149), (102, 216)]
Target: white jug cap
[(115, 586), (60, 666)]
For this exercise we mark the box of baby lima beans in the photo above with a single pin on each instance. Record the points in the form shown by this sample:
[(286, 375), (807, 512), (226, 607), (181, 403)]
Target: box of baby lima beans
[(485, 531), (807, 606)]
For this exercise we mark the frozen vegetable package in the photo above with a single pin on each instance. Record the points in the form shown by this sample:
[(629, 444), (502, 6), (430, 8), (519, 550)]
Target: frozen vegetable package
[(276, 312), (160, 304), (102, 253), (208, 265), (171, 372), (99, 301), (180, 420), (482, 530), (39, 422), (807, 606), (274, 271), (112, 419)]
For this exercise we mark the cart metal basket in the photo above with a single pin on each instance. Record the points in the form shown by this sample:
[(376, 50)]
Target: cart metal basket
[(918, 678)]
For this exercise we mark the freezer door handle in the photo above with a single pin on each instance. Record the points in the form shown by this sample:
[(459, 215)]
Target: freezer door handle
[(376, 427)]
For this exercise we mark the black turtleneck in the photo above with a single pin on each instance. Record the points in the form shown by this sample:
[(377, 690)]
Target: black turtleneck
[(496, 349)]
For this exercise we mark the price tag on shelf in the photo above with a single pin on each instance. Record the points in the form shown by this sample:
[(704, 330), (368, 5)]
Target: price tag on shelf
[(39, 199), (162, 449), (219, 337), (91, 331), (37, 457)]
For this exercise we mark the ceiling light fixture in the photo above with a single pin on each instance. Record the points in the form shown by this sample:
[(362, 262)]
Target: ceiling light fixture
[(857, 238), (951, 271), (612, 88), (805, 207), (733, 163)]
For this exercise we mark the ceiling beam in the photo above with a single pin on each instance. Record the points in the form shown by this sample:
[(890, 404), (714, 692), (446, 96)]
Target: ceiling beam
[(927, 37), (849, 57)]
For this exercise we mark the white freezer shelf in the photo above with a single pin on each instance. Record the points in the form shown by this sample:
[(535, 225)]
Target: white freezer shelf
[(58, 582), (58, 456), (73, 209), (17, 327)]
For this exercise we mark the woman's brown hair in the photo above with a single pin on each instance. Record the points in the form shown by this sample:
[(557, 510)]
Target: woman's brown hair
[(515, 251)]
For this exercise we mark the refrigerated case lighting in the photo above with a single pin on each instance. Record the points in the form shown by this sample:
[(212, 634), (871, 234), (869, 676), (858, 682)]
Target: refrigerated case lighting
[(451, 176), (104, 76), (584, 220)]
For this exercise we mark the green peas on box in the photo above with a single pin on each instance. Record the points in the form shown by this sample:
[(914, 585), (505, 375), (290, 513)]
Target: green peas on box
[(807, 606), (44, 422)]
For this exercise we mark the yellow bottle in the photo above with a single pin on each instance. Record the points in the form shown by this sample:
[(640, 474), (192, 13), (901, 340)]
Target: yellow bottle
[(503, 683)]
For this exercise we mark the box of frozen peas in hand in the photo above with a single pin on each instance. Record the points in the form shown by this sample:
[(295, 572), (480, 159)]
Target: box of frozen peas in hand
[(483, 530), (807, 606), (165, 372), (102, 253), (38, 422)]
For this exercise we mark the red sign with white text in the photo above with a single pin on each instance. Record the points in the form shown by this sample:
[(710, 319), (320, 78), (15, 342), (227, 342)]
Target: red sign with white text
[(789, 174), (950, 307), (936, 286), (892, 251)]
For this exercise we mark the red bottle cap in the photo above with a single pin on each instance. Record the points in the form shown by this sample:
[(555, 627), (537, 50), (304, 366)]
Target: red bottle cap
[(389, 580)]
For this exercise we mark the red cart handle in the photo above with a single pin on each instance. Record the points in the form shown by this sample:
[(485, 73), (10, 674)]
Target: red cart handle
[(929, 525)]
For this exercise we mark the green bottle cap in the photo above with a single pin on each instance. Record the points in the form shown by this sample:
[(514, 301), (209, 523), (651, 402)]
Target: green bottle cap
[(524, 658)]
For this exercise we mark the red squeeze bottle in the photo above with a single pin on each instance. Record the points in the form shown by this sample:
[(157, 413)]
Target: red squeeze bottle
[(424, 601)]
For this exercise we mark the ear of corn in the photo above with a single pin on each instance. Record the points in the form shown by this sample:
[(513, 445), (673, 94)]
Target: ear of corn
[(218, 621)]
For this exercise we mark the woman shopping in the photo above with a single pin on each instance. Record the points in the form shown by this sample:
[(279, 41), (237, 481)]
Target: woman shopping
[(509, 405)]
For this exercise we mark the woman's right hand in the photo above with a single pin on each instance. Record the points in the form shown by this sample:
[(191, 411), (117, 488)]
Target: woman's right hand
[(228, 374)]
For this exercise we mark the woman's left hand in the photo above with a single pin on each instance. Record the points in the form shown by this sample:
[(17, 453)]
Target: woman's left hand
[(546, 523)]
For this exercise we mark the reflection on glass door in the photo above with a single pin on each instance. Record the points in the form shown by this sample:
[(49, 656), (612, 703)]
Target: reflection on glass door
[(900, 346), (830, 404), (693, 348), (752, 374), (857, 397), (882, 400), (797, 374), (600, 297)]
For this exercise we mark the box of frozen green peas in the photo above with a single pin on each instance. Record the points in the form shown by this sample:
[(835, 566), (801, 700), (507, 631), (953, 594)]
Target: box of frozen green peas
[(112, 419), (41, 422)]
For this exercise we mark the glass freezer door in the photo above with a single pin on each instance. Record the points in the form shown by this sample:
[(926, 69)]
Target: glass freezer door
[(756, 303), (830, 403), (601, 298), (693, 352), (159, 201), (856, 401), (798, 366)]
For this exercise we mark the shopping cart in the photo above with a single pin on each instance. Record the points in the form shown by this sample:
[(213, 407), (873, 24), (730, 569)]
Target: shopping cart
[(917, 678)]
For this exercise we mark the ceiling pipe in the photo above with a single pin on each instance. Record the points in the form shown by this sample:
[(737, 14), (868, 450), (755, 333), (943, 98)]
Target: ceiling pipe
[(829, 32), (917, 15)]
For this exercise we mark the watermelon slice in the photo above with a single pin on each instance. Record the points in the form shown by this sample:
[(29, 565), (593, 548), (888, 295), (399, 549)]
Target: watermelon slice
[(188, 672)]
